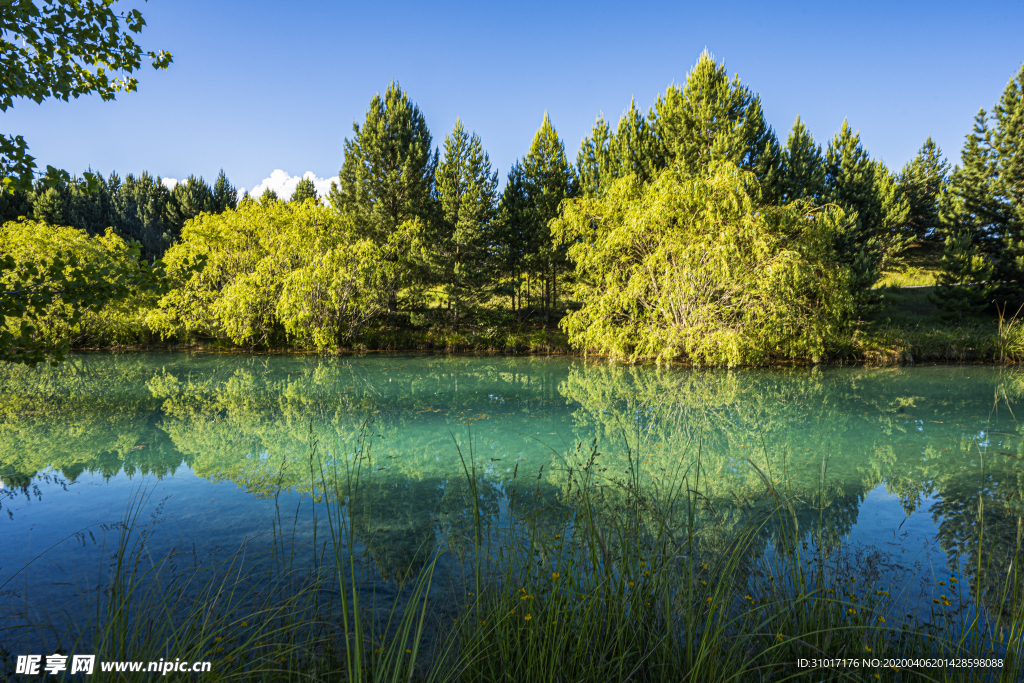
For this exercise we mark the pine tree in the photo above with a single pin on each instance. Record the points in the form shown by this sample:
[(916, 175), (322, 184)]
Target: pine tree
[(801, 167), (876, 211), (387, 176), (714, 119), (963, 283), (511, 235), (593, 162), (189, 198), (304, 189), (922, 181), (139, 208), (1007, 189), (269, 196), (467, 194), (548, 179), (225, 196)]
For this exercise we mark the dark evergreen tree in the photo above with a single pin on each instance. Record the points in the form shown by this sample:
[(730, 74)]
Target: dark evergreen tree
[(714, 119), (225, 196), (921, 182), (304, 190), (269, 196), (387, 176), (14, 204), (1007, 189), (964, 281), (876, 212), (802, 167), (139, 206), (512, 234), (593, 163), (467, 194), (548, 180), (189, 198)]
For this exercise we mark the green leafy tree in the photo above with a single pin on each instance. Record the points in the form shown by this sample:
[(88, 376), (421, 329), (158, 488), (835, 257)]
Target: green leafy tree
[(714, 119), (275, 272), (593, 162), (692, 266), (64, 49), (52, 277), (467, 195), (922, 181), (801, 167), (548, 180), (304, 190)]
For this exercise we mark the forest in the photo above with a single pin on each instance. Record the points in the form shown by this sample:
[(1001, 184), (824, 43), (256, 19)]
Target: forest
[(687, 233)]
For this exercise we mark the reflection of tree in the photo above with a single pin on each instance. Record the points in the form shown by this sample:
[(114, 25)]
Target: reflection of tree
[(92, 414)]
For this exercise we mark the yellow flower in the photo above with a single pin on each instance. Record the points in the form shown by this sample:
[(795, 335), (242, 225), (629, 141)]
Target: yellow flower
[(630, 584), (881, 620), (647, 573), (778, 637), (244, 623), (703, 566), (942, 583), (554, 576), (935, 600), (867, 649), (709, 601), (747, 597), (408, 652), (218, 639), (527, 617), (470, 595), (558, 535), (643, 564)]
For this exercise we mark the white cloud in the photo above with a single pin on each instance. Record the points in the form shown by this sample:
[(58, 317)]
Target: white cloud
[(284, 184), (169, 183)]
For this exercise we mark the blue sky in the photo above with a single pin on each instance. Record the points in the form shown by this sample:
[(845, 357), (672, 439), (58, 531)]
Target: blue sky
[(258, 86)]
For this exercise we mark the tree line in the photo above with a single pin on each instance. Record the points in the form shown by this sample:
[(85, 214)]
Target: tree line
[(690, 230)]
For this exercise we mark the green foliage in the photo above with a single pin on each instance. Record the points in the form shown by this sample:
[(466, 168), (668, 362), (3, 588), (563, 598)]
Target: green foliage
[(632, 150), (922, 181), (963, 282), (467, 194), (801, 167), (275, 272), (877, 213), (52, 278), (387, 175), (304, 190), (714, 119), (269, 197), (690, 267), (64, 49)]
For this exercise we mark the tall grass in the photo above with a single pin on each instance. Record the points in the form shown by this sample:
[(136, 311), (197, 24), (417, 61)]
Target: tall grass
[(615, 578)]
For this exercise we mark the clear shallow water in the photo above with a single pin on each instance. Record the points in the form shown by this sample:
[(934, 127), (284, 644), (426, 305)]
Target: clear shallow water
[(222, 445)]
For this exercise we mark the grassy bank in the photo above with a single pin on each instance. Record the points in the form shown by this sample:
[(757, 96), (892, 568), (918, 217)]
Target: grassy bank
[(622, 578)]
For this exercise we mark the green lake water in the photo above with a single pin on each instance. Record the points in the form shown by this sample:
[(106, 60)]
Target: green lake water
[(892, 460)]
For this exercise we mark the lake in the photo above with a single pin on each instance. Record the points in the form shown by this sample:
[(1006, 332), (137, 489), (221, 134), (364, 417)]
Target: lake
[(232, 449)]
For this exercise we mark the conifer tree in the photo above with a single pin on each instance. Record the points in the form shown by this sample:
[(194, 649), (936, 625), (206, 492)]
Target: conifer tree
[(269, 196), (714, 119), (304, 190), (225, 196), (593, 163), (922, 181), (802, 167), (189, 198), (467, 194), (548, 179), (632, 150), (876, 212), (387, 176), (964, 281), (512, 234), (1007, 189), (140, 211)]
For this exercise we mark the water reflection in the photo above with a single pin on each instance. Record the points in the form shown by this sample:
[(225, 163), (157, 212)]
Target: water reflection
[(827, 437)]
